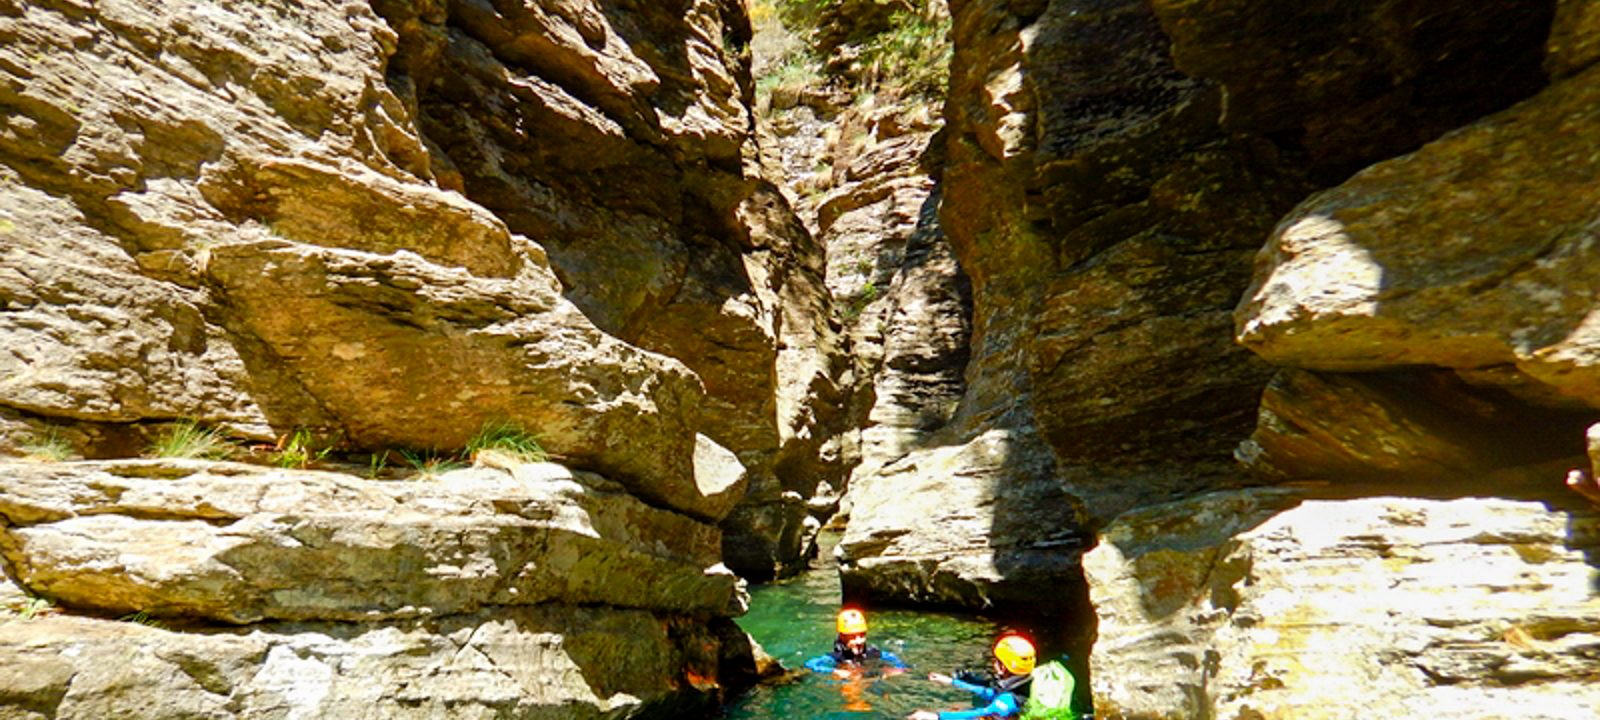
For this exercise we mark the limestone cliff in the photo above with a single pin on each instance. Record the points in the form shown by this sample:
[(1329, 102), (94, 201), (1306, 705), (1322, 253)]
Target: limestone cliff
[(388, 226), (1110, 169)]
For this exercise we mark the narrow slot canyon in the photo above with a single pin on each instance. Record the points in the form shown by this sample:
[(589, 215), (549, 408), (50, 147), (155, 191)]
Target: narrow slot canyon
[(585, 358)]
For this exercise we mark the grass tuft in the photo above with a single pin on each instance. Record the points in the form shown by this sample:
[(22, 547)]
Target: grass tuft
[(509, 439), (49, 447), (187, 439), (142, 618), (429, 463), (28, 609)]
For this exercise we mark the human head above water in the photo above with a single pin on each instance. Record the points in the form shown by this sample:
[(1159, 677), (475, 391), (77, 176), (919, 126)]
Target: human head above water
[(852, 622), (1014, 654)]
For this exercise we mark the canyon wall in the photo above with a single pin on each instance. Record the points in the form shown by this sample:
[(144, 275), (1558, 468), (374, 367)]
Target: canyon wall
[(389, 226)]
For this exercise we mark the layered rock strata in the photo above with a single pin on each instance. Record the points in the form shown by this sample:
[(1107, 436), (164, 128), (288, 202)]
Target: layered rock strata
[(314, 593), (1111, 169), (619, 137), (1256, 604), (391, 225)]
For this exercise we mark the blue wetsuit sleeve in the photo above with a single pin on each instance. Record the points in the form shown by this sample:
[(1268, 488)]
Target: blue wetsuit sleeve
[(984, 692), (1004, 705), (892, 659), (822, 663)]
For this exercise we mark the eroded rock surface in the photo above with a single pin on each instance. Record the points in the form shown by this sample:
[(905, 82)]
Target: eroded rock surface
[(240, 544), (546, 661), (1255, 604), (1476, 253), (480, 588), (392, 223), (1111, 168)]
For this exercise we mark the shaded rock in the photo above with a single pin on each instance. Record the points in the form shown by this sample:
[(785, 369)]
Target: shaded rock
[(1574, 42), (927, 325), (1356, 83), (528, 662), (1414, 429), (968, 526), (616, 135), (1476, 253), (1253, 604), (240, 544)]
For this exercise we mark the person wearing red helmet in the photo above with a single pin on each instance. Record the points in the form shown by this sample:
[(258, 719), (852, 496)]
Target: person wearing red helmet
[(1014, 658), (850, 648)]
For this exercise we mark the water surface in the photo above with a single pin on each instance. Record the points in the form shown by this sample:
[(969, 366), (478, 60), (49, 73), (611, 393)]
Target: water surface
[(793, 621)]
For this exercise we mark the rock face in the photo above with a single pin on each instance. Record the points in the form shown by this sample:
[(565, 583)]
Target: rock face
[(393, 223), (1430, 317), (1111, 169), (620, 139), (1476, 253), (464, 590), (1256, 605), (240, 544), (546, 661)]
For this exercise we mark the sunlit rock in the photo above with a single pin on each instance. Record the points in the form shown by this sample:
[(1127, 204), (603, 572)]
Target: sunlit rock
[(1258, 605), (1478, 253), (240, 544)]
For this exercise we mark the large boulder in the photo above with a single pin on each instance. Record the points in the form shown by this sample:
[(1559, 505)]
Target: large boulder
[(966, 526), (545, 661), (1256, 604), (239, 543), (1476, 253), (530, 589)]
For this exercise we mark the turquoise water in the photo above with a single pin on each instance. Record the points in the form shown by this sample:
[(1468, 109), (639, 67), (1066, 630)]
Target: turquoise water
[(793, 621)]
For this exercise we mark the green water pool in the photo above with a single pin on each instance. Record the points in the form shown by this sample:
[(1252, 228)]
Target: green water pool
[(794, 621)]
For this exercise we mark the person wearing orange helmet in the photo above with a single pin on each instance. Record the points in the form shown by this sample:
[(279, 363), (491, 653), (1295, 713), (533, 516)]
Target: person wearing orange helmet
[(850, 648), (1014, 658)]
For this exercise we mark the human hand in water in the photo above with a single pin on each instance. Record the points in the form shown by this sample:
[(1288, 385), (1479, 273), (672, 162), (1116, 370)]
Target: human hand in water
[(923, 715), (842, 673), (940, 678)]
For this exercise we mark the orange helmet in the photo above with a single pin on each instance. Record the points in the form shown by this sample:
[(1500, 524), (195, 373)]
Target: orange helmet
[(852, 622), (1016, 654)]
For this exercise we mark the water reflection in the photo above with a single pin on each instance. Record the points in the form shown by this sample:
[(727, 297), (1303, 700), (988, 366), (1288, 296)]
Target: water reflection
[(794, 621)]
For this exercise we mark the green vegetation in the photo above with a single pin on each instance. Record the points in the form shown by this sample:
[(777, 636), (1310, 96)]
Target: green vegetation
[(911, 58), (295, 450), (376, 464), (860, 301), (430, 463), (142, 618), (187, 439), (509, 439), (28, 609), (906, 55), (49, 446), (798, 70)]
